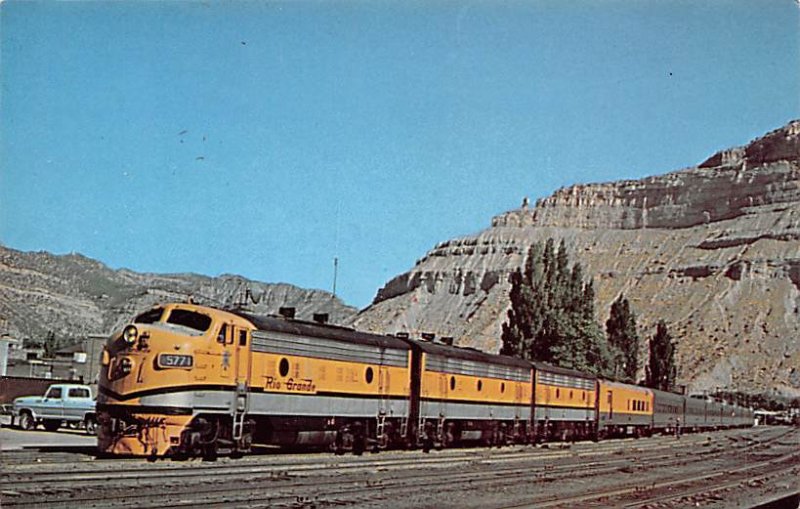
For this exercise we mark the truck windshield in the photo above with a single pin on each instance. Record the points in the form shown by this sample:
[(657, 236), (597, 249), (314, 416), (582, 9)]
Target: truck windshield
[(190, 319), (151, 316)]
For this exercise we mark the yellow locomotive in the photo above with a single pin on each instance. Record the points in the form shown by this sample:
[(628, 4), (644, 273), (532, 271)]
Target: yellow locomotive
[(184, 379), (190, 380)]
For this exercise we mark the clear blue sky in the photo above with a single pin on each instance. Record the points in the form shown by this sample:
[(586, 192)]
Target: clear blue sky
[(265, 138)]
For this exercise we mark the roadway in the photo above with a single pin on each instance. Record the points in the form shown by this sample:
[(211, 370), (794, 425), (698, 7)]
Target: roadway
[(64, 438)]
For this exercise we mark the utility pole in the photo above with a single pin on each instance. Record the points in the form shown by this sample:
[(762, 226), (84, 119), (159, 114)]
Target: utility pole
[(335, 273)]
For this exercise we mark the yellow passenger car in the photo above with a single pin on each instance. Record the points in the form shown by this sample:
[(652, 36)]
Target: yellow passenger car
[(623, 409)]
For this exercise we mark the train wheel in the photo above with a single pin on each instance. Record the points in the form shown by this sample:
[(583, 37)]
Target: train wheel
[(26, 421), (210, 452)]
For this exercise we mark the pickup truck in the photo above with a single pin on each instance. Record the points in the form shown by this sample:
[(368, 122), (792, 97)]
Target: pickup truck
[(62, 403)]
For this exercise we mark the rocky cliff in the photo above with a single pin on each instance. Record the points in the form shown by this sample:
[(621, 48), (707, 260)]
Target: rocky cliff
[(73, 295), (714, 250)]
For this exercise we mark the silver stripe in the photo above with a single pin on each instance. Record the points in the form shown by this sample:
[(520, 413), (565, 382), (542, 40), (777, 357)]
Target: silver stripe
[(622, 419), (433, 409), (321, 348), (324, 406), (280, 404), (475, 368), (564, 414)]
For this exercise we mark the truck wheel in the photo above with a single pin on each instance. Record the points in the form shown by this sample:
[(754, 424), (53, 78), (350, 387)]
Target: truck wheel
[(91, 426), (26, 421), (51, 425)]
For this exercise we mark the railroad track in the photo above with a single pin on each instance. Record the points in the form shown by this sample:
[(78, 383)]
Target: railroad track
[(278, 485), (33, 474), (753, 474)]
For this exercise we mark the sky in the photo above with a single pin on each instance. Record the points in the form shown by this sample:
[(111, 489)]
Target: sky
[(267, 138)]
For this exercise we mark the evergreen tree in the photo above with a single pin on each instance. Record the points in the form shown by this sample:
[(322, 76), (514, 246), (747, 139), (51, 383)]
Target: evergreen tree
[(551, 318), (517, 328), (623, 339), (661, 371)]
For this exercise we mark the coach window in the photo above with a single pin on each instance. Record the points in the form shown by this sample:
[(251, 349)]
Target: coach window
[(503, 387), (480, 386), (570, 394), (452, 383), (369, 375), (242, 338), (558, 393)]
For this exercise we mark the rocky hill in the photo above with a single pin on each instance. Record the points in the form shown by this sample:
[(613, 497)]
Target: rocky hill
[(73, 295), (714, 250)]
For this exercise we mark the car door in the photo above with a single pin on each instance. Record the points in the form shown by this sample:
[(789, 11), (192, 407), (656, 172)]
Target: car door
[(53, 404)]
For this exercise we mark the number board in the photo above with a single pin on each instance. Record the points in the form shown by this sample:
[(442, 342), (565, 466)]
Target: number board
[(169, 360)]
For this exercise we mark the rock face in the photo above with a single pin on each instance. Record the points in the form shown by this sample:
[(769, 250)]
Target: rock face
[(73, 295), (713, 250)]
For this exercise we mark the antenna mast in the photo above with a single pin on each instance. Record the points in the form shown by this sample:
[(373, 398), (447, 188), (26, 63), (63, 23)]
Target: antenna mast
[(335, 273)]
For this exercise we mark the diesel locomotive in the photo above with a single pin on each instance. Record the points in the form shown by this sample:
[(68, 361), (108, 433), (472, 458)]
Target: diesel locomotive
[(189, 380)]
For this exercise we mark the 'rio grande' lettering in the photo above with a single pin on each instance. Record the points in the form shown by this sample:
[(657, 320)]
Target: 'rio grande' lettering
[(301, 385)]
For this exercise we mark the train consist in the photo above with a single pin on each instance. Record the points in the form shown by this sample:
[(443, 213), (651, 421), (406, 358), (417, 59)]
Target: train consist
[(188, 380)]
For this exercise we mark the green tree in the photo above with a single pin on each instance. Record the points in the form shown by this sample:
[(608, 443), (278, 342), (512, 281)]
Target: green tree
[(623, 339), (517, 330), (551, 318), (660, 370)]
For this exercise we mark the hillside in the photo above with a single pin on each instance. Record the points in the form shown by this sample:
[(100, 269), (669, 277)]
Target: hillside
[(73, 295), (714, 250)]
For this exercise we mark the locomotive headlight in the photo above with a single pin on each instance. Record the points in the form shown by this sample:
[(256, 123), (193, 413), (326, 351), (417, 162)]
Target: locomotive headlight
[(130, 334)]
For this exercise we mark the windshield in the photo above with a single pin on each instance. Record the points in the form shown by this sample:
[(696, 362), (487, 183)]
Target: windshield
[(190, 319), (151, 316)]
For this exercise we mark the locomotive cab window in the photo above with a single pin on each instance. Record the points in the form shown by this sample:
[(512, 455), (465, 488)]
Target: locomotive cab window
[(189, 319), (452, 383), (222, 337), (242, 338), (151, 316)]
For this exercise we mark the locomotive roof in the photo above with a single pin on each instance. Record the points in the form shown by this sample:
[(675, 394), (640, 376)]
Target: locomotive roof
[(315, 330), (541, 366), (455, 352)]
